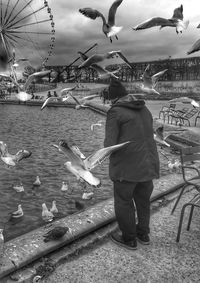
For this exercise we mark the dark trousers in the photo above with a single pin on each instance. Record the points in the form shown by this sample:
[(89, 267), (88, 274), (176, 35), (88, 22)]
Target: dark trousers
[(124, 194)]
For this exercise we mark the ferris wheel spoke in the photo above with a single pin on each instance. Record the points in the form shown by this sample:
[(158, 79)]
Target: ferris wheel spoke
[(6, 11), (18, 13), (34, 12), (30, 24), (10, 38), (11, 13), (27, 32), (1, 12)]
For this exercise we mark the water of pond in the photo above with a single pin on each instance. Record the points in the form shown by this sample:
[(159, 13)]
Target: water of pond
[(25, 127)]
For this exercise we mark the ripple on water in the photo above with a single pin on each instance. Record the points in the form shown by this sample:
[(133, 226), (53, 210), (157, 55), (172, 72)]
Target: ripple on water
[(35, 130)]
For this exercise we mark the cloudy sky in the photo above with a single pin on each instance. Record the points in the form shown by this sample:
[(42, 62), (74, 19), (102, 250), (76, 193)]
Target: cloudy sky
[(75, 32)]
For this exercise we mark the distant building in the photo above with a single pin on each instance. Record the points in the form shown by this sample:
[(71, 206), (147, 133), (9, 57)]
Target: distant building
[(179, 69)]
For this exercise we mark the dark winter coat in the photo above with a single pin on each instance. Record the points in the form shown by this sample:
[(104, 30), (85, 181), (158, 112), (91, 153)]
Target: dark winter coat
[(138, 161)]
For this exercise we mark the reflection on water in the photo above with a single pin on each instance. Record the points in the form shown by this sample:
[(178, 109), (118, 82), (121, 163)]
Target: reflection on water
[(24, 127)]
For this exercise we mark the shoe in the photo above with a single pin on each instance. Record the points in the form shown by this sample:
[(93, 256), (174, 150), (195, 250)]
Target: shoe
[(117, 239), (143, 239)]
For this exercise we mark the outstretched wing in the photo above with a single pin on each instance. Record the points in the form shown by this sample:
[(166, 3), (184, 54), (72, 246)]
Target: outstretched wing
[(195, 47), (83, 56), (112, 12), (95, 58), (22, 154), (153, 22), (156, 76), (65, 91), (49, 99), (3, 148), (147, 79), (102, 72), (91, 13), (99, 156), (34, 75), (65, 148), (178, 13), (124, 59), (90, 97)]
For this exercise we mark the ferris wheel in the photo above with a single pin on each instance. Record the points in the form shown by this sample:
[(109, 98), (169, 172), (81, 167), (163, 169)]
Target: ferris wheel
[(27, 27)]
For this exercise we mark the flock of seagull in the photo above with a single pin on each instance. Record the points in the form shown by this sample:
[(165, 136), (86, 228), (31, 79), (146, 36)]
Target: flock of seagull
[(78, 164)]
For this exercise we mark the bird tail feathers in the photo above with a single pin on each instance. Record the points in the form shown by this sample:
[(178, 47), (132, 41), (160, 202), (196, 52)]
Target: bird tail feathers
[(114, 30)]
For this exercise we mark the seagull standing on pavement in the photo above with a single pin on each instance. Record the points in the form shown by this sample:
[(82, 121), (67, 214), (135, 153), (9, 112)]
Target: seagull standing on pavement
[(108, 28), (175, 21)]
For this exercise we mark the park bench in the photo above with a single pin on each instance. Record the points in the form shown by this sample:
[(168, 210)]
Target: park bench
[(166, 109), (176, 115), (196, 118), (187, 156)]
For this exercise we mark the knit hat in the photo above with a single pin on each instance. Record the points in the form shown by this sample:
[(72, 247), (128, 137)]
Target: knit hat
[(116, 90)]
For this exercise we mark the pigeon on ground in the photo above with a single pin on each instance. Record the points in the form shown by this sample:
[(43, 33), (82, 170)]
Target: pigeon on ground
[(55, 234), (159, 136)]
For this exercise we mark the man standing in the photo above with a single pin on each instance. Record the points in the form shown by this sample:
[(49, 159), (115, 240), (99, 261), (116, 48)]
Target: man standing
[(132, 168)]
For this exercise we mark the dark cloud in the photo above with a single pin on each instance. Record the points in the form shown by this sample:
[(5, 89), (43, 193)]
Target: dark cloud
[(75, 32)]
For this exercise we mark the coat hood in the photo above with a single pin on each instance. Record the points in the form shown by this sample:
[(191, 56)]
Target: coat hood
[(134, 104)]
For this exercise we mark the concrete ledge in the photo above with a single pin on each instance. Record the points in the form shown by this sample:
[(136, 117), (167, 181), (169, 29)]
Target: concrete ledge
[(30, 246)]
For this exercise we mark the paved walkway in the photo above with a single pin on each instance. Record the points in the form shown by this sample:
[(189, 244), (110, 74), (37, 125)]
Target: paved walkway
[(162, 261)]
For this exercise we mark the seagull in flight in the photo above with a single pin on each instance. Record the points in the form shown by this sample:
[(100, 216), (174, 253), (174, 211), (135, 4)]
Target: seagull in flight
[(80, 103), (22, 90), (15, 61), (108, 28), (119, 53), (63, 98), (195, 47), (11, 159), (175, 21), (81, 167), (150, 82), (101, 71), (96, 58)]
